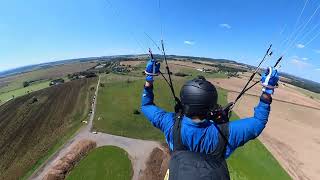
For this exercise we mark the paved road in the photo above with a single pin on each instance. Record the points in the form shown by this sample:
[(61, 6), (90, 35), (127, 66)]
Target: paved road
[(138, 150)]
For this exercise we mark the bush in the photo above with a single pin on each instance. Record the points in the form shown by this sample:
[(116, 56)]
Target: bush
[(181, 74), (101, 85), (196, 62), (136, 111), (26, 84)]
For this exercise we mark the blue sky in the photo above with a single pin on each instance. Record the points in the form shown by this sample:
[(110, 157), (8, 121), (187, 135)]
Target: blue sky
[(37, 31)]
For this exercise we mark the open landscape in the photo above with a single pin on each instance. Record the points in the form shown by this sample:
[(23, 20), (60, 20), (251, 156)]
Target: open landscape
[(35, 125), (76, 76), (123, 135), (292, 131)]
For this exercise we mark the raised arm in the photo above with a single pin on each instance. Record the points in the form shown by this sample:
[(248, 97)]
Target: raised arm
[(243, 130), (157, 116)]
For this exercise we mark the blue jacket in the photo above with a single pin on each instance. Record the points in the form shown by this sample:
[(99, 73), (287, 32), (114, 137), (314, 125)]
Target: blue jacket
[(203, 136)]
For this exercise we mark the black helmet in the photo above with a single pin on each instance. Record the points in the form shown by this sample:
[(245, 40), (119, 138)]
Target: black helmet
[(198, 97)]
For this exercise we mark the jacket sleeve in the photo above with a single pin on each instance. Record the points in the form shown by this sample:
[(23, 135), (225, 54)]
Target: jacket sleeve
[(157, 116), (243, 130)]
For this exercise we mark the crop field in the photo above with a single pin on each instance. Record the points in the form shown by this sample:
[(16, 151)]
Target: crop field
[(107, 162), (177, 67), (118, 100), (310, 94), (35, 125), (22, 91), (15, 82)]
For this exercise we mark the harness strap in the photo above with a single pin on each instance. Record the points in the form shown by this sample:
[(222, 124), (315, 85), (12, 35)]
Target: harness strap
[(223, 130), (177, 143)]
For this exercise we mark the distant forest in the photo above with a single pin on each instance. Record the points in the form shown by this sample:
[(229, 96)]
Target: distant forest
[(301, 82)]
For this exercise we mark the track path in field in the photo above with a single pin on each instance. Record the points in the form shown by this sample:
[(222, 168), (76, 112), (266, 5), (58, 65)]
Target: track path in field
[(138, 150)]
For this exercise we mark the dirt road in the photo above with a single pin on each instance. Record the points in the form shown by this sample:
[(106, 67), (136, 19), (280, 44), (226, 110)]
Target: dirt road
[(292, 133), (138, 150)]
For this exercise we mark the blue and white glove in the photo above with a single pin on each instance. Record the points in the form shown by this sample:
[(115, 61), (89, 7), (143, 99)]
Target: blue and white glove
[(269, 80), (152, 69)]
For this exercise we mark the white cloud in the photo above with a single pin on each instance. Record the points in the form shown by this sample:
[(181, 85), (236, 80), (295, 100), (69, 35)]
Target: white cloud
[(300, 46), (189, 42), (317, 51), (304, 58), (227, 26), (318, 69), (300, 62)]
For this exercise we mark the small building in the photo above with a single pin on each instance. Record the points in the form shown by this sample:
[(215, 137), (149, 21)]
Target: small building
[(100, 66), (204, 70)]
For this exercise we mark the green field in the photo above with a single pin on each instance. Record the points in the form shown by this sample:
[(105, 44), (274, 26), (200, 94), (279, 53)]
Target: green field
[(116, 103), (16, 81), (22, 91), (194, 73), (118, 100), (108, 162)]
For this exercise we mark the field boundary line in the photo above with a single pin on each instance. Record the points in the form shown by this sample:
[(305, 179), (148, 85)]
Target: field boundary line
[(279, 100)]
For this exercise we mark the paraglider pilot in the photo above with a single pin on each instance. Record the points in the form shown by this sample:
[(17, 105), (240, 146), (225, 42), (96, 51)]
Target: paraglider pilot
[(198, 145)]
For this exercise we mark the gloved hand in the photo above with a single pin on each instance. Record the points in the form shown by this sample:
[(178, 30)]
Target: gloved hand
[(152, 69), (269, 80)]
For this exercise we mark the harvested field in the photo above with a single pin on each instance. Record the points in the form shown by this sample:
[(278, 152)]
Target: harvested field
[(283, 93), (66, 163), (192, 65), (14, 82), (291, 136), (292, 131), (35, 125), (173, 64), (187, 67), (188, 64)]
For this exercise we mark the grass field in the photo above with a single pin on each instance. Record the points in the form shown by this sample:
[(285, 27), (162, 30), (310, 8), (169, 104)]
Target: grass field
[(118, 100), (194, 73), (32, 131), (22, 91), (115, 106), (108, 162)]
